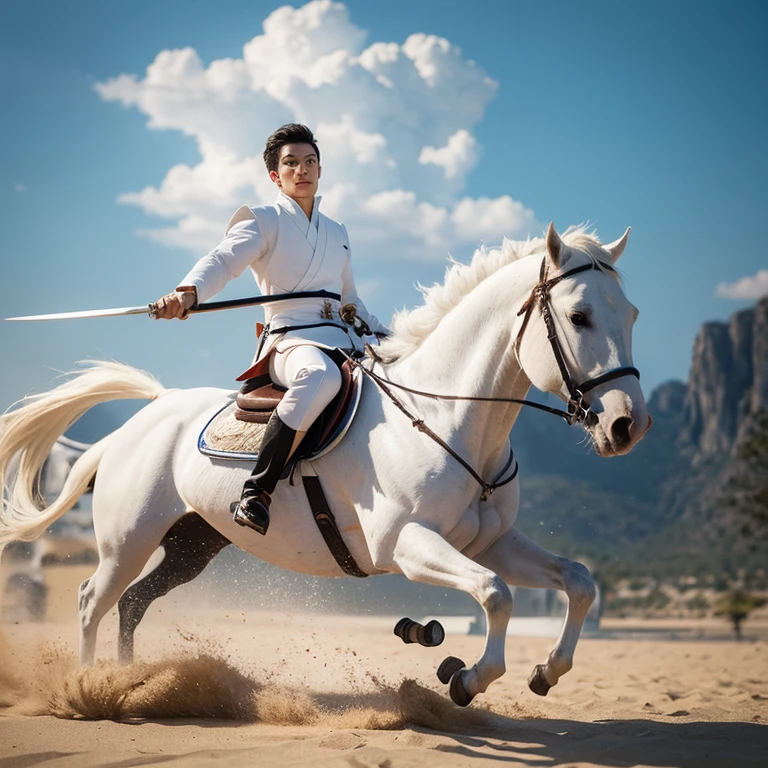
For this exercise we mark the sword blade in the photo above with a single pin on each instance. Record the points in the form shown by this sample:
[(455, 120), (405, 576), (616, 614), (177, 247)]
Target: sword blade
[(210, 306), (144, 310)]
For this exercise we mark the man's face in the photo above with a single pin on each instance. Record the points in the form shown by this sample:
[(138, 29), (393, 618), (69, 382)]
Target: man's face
[(298, 171)]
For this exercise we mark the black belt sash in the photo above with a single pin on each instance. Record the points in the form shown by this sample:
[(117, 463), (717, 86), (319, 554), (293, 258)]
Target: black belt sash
[(288, 328)]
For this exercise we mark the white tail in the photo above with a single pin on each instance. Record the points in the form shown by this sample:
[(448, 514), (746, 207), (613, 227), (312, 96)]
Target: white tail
[(27, 434)]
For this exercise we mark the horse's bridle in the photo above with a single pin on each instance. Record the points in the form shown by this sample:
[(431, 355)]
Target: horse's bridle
[(576, 413)]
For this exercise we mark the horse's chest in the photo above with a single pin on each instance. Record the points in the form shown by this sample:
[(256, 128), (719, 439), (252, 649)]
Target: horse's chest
[(466, 529), (474, 525), (479, 526)]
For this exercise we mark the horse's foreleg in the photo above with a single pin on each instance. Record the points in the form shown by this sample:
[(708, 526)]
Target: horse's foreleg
[(521, 562), (423, 555), (190, 544)]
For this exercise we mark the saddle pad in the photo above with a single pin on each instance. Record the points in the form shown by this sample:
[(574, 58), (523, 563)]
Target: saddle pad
[(225, 437)]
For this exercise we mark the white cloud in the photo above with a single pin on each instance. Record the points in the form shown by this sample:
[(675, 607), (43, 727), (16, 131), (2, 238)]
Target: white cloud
[(211, 190), (457, 157), (394, 125), (345, 138), (19, 188), (751, 287), (489, 219), (189, 233)]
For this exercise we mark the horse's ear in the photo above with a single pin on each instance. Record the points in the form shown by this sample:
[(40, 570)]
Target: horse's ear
[(617, 248), (557, 249)]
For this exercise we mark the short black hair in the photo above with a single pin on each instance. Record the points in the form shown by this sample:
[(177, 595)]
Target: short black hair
[(291, 133)]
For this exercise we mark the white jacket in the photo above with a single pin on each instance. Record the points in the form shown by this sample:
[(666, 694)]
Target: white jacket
[(287, 253)]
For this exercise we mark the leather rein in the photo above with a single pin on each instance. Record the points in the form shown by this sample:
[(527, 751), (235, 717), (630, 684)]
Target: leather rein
[(576, 412)]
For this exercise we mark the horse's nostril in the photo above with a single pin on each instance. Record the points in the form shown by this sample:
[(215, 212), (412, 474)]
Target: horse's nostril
[(620, 430)]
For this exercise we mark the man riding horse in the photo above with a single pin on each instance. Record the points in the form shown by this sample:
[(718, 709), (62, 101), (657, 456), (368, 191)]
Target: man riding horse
[(290, 247)]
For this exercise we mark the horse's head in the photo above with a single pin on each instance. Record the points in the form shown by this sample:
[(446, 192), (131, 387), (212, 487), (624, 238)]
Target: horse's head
[(590, 329)]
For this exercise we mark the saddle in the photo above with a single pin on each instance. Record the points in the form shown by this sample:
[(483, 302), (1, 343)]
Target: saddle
[(257, 398), (236, 430)]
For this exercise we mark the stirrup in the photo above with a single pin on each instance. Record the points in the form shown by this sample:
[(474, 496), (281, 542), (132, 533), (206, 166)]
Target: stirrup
[(252, 512)]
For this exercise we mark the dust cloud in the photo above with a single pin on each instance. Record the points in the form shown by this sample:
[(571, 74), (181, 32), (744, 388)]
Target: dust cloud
[(201, 684)]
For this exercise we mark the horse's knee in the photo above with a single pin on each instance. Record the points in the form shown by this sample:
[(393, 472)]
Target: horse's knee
[(495, 596), (579, 584)]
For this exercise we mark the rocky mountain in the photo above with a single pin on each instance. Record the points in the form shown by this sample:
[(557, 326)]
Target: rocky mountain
[(728, 382)]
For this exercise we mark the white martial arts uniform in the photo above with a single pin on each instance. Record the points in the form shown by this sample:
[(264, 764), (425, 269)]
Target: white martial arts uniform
[(288, 253)]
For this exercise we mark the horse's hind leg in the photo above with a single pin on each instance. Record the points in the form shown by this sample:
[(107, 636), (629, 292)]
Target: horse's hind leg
[(118, 567), (190, 544), (521, 562), (423, 555)]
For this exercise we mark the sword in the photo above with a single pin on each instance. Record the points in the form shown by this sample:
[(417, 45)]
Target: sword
[(209, 306)]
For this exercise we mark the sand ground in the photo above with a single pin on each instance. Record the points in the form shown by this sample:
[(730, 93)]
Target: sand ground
[(224, 687)]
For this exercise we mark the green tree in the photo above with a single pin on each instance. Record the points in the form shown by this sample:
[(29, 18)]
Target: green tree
[(747, 489), (736, 605)]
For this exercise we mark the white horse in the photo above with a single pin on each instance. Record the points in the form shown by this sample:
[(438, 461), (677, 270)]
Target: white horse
[(403, 504)]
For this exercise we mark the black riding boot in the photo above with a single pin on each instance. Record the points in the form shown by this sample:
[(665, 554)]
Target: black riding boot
[(252, 511)]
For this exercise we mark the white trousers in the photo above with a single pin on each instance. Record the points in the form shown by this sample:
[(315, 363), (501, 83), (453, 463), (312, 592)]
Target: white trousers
[(312, 379)]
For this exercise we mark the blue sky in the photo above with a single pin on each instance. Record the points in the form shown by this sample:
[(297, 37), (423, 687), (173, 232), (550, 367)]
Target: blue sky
[(644, 114)]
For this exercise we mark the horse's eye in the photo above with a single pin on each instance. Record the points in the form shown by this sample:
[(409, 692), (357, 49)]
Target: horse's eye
[(579, 319)]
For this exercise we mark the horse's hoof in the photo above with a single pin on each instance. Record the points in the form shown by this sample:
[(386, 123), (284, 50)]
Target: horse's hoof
[(448, 669), (432, 635), (403, 629), (459, 693), (537, 682), (410, 631)]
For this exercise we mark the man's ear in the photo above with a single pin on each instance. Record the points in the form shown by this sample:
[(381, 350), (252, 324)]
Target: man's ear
[(319, 171), (274, 176)]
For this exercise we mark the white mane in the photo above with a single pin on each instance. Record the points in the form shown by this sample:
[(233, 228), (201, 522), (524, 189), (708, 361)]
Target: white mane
[(411, 327)]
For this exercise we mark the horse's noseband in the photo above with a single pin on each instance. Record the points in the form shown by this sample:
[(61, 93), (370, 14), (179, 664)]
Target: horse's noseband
[(577, 412)]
